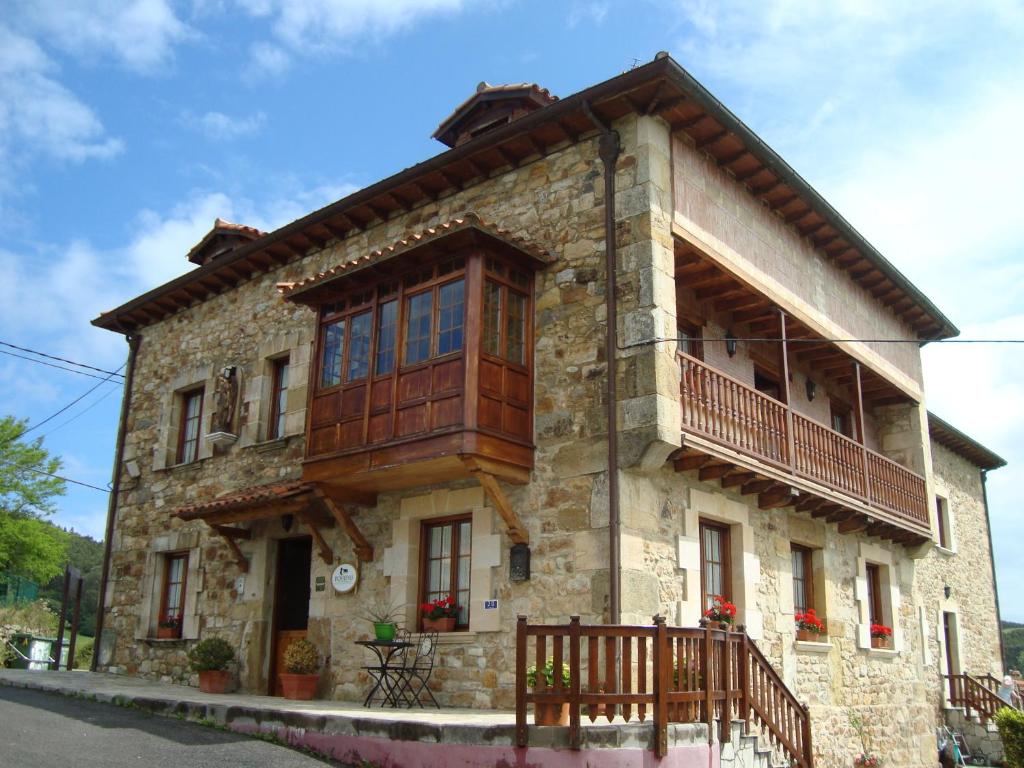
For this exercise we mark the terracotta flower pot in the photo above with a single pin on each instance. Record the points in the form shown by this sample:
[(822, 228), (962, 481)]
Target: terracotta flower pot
[(545, 713), (214, 681), (719, 625), (808, 636), (446, 624), (299, 687), (879, 642), (168, 633)]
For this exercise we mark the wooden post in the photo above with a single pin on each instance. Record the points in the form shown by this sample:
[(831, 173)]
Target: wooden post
[(860, 430), (662, 663), (574, 682), (706, 670), (79, 585), (725, 724), (808, 748), (521, 733), (55, 664), (784, 354), (744, 665)]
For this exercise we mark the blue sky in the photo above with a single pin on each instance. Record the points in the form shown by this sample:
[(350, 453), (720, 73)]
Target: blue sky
[(127, 126)]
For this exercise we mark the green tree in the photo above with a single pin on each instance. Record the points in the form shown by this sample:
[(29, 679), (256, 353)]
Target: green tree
[(28, 545)]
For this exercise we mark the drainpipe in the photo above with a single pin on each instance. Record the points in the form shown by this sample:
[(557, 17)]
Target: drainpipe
[(992, 560), (115, 488), (608, 150)]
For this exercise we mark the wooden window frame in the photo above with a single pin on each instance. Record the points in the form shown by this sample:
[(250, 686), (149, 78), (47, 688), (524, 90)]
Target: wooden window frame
[(165, 586), (845, 414), (694, 337), (805, 555), (725, 563), (275, 424), (766, 372), (426, 526), (500, 273), (873, 577), (186, 397), (942, 522)]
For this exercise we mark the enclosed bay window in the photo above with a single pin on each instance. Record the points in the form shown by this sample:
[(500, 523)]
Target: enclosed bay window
[(445, 568)]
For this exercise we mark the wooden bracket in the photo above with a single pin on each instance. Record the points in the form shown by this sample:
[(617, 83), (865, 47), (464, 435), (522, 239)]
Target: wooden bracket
[(361, 546), (229, 535), (516, 530), (325, 550)]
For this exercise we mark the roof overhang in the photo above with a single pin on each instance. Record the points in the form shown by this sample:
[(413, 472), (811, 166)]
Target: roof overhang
[(952, 438), (660, 88)]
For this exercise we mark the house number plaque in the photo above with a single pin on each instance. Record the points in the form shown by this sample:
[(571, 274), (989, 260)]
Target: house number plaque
[(344, 578)]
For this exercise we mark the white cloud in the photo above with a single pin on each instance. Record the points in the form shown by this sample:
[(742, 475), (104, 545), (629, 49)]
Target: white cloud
[(141, 34), (266, 59), (221, 127), (593, 12)]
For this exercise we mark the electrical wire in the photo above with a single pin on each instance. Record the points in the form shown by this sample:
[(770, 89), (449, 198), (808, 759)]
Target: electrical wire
[(82, 412), (54, 357), (54, 365), (917, 342), (67, 479)]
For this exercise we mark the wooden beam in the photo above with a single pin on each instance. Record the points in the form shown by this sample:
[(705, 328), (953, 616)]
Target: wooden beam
[(714, 471), (775, 498), (322, 546), (853, 524), (737, 478), (516, 530), (809, 503), (730, 159), (234, 533), (712, 139), (757, 486), (361, 546), (691, 462)]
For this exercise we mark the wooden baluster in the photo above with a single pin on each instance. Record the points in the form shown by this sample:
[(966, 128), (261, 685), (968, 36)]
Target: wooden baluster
[(610, 682), (725, 723), (641, 676), (593, 670), (708, 667), (662, 672), (556, 663), (521, 730), (574, 682), (627, 675)]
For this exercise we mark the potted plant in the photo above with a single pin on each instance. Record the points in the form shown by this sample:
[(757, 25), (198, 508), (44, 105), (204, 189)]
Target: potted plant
[(384, 617), (809, 627), (721, 614), (301, 662), (440, 615), (544, 712), (210, 657), (865, 758), (880, 635), (168, 628)]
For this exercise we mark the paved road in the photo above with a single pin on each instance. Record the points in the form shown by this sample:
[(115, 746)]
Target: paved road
[(43, 730)]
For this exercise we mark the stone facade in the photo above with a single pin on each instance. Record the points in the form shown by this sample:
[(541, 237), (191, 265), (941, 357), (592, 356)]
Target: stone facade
[(665, 190)]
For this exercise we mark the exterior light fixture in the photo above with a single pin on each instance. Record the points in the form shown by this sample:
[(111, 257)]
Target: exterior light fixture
[(730, 344), (286, 522), (947, 590), (812, 389), (519, 563)]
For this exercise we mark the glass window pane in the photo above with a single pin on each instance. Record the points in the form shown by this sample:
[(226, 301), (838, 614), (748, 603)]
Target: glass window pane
[(465, 538), (492, 319), (387, 325), (419, 310), (515, 330), (359, 347), (330, 360), (449, 317)]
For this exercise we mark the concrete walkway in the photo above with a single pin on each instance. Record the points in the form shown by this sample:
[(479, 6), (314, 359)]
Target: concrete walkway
[(454, 738)]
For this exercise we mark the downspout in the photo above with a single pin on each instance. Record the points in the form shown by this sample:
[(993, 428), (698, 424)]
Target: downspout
[(992, 560), (115, 488), (608, 150)]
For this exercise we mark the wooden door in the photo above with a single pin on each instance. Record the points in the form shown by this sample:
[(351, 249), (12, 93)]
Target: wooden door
[(291, 602)]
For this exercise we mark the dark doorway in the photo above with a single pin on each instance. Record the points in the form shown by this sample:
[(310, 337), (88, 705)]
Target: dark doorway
[(291, 601)]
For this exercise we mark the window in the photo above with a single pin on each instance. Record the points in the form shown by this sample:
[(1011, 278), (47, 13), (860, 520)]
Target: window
[(715, 577), (359, 347), (450, 311), (767, 383), (418, 320), (278, 399), (942, 519), (172, 596), (839, 418), (504, 321), (387, 326), (446, 550), (330, 358), (688, 337), (188, 430), (873, 576), (803, 578)]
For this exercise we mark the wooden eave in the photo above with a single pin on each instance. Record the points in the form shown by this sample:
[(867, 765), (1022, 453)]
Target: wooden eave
[(660, 88), (952, 438)]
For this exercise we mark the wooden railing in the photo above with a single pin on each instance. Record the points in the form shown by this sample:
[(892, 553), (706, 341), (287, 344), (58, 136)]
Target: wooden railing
[(971, 694), (734, 414), (665, 674)]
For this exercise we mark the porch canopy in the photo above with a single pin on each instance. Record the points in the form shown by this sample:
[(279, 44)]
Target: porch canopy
[(307, 504)]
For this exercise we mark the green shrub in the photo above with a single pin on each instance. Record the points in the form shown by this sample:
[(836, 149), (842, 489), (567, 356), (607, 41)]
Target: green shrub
[(301, 658), (212, 653), (83, 652), (548, 673), (1011, 732)]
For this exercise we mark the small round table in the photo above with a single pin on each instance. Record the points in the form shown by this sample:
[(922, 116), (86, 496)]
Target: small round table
[(385, 651)]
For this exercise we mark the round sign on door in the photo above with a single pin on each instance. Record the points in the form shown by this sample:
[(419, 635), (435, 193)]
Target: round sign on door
[(344, 578)]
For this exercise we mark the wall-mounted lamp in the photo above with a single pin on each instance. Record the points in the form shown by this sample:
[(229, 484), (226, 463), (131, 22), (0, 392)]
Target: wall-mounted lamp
[(286, 522), (812, 389), (519, 563), (947, 590), (730, 344)]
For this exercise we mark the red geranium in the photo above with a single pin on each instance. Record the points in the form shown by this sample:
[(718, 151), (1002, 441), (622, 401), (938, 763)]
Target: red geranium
[(810, 622), (880, 630), (721, 610), (442, 608)]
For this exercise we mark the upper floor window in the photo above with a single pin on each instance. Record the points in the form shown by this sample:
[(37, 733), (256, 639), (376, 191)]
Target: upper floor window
[(189, 428), (504, 320), (278, 399), (688, 336), (446, 556), (840, 419), (942, 519), (767, 382)]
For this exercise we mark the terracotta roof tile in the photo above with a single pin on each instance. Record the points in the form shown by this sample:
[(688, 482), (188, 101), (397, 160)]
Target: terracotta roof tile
[(243, 498), (468, 220)]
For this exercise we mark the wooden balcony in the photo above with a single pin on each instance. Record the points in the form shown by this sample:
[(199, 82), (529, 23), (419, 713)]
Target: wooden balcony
[(863, 489)]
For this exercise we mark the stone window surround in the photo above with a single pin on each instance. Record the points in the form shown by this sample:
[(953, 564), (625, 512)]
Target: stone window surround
[(165, 452), (950, 606), (401, 561), (258, 390), (942, 494), (745, 563), (152, 586), (820, 593), (890, 596)]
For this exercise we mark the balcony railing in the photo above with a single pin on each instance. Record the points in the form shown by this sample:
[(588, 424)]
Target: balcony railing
[(729, 412)]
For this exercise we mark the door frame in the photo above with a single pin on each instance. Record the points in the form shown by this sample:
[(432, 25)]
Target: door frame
[(275, 613)]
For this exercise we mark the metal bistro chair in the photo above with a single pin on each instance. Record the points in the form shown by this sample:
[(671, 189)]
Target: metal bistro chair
[(413, 676), (387, 678)]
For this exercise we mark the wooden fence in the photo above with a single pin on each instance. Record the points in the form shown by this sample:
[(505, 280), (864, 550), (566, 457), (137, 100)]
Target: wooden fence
[(665, 674), (975, 695)]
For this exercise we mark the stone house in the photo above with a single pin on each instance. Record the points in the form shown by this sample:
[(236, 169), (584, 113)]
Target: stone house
[(414, 382)]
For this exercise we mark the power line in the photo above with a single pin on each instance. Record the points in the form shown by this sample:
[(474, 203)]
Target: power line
[(82, 412), (53, 357), (917, 342), (54, 365), (67, 479)]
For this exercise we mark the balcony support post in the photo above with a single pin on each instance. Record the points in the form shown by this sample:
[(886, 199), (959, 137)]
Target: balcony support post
[(860, 431), (784, 359)]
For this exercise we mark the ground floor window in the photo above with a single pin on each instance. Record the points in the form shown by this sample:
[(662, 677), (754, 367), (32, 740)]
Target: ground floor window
[(172, 596), (446, 556), (873, 577), (714, 559), (803, 578)]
